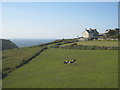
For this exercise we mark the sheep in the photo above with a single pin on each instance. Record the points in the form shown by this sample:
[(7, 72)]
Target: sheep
[(72, 61), (67, 62)]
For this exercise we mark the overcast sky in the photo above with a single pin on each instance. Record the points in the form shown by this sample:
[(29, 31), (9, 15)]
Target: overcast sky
[(56, 19)]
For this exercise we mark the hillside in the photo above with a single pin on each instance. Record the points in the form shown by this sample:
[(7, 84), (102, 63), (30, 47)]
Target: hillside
[(93, 68), (7, 44), (14, 57)]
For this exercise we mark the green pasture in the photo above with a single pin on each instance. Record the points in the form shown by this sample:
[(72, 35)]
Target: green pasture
[(98, 43), (66, 44), (93, 69), (12, 57)]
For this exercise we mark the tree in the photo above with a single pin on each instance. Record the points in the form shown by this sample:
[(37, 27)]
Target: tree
[(111, 32)]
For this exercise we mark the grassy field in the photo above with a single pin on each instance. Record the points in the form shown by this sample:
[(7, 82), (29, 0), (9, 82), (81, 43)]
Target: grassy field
[(93, 69), (13, 57), (66, 44), (98, 43)]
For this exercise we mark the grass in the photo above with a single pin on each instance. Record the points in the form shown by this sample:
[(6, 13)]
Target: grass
[(13, 57), (50, 45), (66, 44), (93, 69), (98, 43)]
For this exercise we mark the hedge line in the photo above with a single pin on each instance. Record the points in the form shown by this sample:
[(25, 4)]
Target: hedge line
[(60, 42), (82, 47)]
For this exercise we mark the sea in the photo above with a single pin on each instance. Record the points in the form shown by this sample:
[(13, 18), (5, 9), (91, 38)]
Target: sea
[(30, 42)]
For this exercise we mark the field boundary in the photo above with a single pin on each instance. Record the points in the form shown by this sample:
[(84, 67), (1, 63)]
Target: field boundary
[(23, 62), (84, 47)]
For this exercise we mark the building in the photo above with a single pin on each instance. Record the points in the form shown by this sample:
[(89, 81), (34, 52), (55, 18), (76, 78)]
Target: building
[(90, 34), (114, 31)]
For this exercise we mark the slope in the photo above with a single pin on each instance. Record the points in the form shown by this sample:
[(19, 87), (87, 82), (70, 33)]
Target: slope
[(93, 69)]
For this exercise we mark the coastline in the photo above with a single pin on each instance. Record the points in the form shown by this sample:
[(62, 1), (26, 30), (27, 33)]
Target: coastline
[(30, 42)]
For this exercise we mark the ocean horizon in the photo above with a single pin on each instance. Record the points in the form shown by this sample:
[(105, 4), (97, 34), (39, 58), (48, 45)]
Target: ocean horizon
[(30, 42)]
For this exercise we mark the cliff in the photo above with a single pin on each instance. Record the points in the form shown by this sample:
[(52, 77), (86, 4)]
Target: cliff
[(7, 44)]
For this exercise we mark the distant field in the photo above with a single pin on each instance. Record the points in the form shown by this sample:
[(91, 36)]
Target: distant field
[(13, 57), (66, 44), (93, 69), (98, 43)]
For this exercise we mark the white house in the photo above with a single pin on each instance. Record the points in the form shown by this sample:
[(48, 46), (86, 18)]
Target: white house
[(90, 34)]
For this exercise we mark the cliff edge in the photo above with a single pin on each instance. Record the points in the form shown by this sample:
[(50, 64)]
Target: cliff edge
[(7, 44)]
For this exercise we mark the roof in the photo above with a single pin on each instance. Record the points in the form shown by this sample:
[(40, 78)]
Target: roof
[(91, 30)]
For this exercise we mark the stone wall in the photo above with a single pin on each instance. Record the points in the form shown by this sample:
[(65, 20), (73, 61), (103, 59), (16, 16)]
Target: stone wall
[(83, 47)]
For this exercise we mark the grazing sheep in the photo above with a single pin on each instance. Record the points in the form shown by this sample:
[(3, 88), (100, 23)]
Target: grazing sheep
[(72, 61), (67, 62)]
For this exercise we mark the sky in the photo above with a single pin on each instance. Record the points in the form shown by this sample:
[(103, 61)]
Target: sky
[(56, 19)]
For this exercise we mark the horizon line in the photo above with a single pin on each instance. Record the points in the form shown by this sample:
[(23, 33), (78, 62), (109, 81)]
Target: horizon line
[(60, 1)]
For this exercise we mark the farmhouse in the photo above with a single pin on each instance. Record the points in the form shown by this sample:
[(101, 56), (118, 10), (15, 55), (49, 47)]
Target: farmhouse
[(90, 34)]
